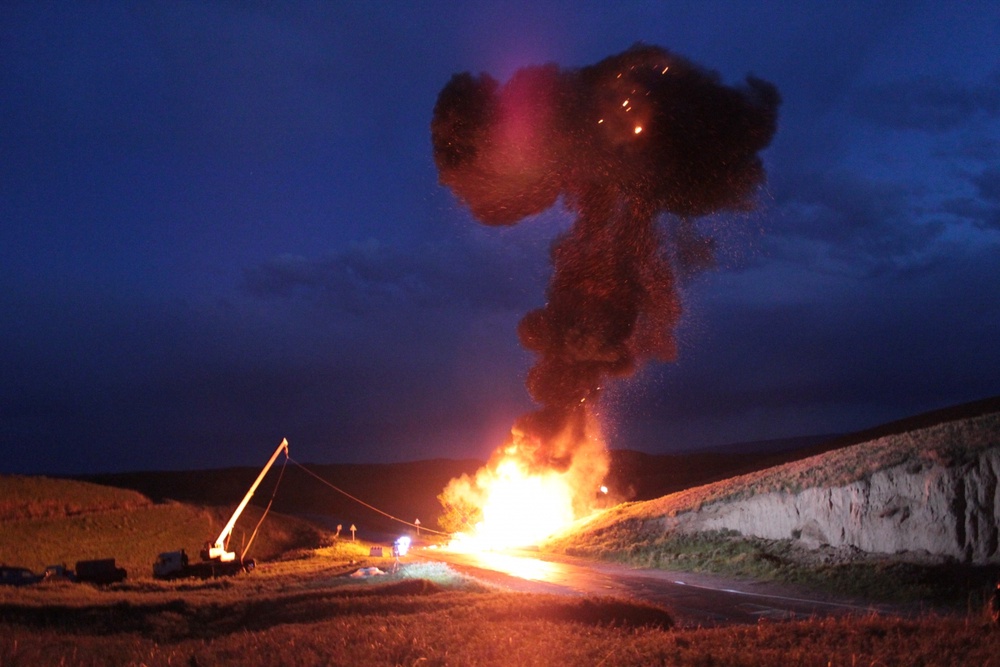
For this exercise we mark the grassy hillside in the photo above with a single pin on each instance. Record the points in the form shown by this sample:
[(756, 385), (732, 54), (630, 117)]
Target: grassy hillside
[(639, 476), (634, 533), (48, 522), (945, 443), (636, 476), (23, 497)]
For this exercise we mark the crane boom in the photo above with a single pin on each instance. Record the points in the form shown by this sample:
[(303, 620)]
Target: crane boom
[(218, 551)]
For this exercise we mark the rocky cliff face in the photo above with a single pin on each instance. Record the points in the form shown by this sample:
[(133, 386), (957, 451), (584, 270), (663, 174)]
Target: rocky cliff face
[(945, 510)]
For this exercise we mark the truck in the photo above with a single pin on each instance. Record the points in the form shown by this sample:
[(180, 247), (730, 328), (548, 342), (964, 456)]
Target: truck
[(99, 571), (216, 559), (177, 565)]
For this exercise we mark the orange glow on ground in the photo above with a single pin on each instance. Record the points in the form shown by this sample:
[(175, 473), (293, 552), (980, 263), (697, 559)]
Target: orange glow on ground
[(532, 569)]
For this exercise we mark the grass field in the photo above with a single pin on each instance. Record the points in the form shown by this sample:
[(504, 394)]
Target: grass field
[(25, 497), (48, 522), (306, 611)]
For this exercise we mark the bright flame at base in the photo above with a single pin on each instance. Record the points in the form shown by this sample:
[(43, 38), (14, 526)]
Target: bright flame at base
[(513, 503), (522, 508)]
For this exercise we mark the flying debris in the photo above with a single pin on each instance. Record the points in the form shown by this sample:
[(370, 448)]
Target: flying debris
[(638, 136)]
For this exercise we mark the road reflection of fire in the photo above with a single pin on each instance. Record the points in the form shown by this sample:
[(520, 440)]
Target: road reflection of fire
[(532, 569)]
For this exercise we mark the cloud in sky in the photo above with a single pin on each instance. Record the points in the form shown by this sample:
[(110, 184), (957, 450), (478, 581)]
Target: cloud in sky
[(931, 104), (222, 225)]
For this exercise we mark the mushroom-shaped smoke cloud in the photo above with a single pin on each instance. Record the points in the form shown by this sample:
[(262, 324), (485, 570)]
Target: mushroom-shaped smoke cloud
[(638, 135)]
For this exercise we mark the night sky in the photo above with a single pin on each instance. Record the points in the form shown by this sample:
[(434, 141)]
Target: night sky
[(221, 224)]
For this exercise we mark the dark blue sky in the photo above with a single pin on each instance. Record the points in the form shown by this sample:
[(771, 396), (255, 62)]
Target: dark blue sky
[(220, 225)]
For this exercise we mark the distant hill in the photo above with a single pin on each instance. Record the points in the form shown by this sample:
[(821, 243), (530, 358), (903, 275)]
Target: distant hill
[(641, 476), (920, 421), (407, 491)]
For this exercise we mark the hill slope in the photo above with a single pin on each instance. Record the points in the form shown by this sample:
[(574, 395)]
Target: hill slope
[(930, 490), (56, 521)]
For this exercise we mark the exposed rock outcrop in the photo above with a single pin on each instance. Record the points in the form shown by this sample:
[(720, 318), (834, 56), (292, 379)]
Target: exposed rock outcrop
[(945, 509)]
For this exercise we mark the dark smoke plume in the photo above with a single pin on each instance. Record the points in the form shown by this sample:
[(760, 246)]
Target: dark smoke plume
[(638, 135)]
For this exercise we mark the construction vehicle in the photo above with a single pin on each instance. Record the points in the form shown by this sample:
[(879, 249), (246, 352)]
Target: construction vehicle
[(216, 559)]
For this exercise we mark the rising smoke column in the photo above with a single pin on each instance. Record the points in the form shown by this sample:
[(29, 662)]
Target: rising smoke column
[(638, 135)]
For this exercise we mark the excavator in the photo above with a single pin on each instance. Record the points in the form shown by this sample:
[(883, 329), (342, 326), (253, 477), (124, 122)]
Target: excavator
[(216, 559)]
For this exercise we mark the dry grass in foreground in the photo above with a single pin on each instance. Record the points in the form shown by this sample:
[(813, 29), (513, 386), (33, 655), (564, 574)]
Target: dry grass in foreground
[(305, 612)]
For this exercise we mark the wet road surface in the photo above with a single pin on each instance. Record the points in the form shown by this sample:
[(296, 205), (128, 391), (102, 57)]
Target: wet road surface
[(694, 599)]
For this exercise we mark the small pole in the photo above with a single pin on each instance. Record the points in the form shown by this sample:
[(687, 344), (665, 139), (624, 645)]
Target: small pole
[(353, 528), (416, 522)]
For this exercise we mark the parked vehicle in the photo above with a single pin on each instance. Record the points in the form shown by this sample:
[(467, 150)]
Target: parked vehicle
[(58, 573), (175, 565), (100, 571), (17, 576)]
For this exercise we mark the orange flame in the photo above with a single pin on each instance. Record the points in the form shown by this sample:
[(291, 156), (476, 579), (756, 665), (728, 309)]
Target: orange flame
[(513, 501)]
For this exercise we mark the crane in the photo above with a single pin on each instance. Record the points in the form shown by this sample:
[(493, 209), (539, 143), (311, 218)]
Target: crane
[(216, 557)]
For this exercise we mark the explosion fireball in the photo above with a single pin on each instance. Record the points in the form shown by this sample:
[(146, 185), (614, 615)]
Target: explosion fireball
[(635, 138)]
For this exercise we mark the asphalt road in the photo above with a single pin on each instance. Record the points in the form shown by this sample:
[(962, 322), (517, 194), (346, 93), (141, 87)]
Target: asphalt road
[(694, 599)]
